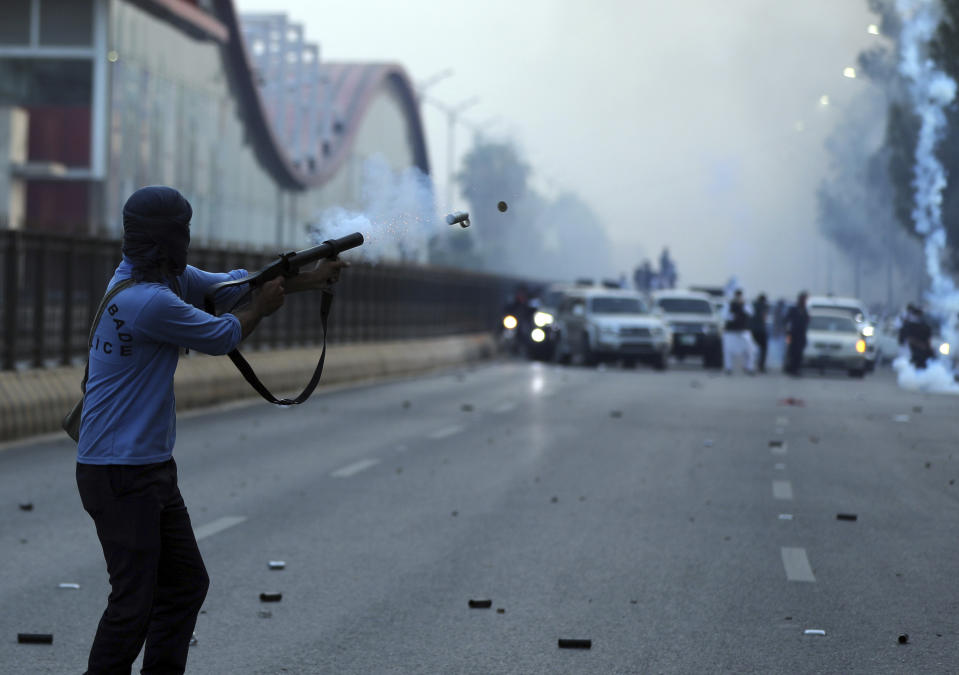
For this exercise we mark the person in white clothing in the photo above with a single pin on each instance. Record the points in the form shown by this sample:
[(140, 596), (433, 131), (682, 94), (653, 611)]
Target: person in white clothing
[(738, 343)]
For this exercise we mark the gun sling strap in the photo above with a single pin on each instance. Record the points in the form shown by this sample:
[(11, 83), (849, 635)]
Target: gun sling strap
[(247, 370)]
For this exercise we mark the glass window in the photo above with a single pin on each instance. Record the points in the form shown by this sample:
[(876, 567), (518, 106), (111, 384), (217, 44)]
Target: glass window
[(832, 324), (66, 22), (15, 22), (45, 82), (614, 305), (685, 306)]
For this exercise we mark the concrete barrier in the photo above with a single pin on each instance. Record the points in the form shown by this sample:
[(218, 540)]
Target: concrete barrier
[(35, 401)]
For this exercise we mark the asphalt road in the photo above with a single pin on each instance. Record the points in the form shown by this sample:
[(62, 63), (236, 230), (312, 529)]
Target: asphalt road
[(682, 522)]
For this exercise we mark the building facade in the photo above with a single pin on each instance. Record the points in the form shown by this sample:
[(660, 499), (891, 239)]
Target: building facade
[(100, 97)]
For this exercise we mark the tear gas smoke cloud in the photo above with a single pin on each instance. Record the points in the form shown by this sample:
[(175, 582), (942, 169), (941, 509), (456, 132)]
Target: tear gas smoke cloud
[(930, 91), (396, 217)]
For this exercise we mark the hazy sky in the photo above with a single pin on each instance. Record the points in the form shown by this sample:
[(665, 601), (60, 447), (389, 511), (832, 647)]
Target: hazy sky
[(693, 124)]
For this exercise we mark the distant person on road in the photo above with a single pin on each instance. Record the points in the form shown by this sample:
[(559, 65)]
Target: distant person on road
[(916, 334), (738, 342), (125, 471), (797, 323), (757, 326)]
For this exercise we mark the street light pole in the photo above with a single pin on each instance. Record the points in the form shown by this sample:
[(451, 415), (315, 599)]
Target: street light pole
[(452, 115)]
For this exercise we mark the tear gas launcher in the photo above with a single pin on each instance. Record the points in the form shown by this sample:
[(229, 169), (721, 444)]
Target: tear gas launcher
[(285, 265)]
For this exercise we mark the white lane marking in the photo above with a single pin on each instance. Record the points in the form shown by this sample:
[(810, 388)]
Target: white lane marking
[(509, 406), (782, 489), (354, 468), (785, 516), (217, 526), (446, 432), (797, 564), (779, 449), (781, 421), (780, 467), (780, 431)]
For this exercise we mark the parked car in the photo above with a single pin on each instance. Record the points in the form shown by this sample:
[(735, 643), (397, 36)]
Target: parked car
[(835, 340), (856, 310), (695, 326), (601, 324)]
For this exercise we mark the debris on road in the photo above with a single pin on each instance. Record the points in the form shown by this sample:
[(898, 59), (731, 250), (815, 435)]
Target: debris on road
[(466, 407), (708, 443), (193, 639), (904, 638), (814, 631), (615, 414), (814, 439), (28, 506), (776, 443), (928, 465), (406, 405), (271, 597), (480, 604), (900, 418), (500, 610), (789, 400), (846, 516), (575, 644), (75, 587), (554, 500), (917, 408), (277, 564), (265, 614), (35, 638), (785, 516)]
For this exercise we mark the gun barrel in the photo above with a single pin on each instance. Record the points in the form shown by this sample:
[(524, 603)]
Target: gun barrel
[(286, 265)]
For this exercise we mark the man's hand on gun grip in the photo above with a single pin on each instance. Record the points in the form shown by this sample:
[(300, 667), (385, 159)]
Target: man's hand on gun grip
[(323, 276)]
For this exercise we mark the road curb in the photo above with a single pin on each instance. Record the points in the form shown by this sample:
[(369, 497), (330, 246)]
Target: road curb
[(34, 402)]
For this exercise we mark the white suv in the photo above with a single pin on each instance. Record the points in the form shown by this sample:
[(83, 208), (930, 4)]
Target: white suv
[(856, 310), (696, 328), (595, 325)]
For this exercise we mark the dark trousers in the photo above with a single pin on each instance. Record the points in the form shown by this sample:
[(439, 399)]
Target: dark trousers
[(157, 577), (797, 345), (762, 341)]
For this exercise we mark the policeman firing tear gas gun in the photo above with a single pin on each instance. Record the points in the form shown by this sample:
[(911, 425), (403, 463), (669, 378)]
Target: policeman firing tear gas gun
[(126, 475)]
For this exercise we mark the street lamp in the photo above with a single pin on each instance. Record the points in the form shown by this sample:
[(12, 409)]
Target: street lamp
[(452, 115), (430, 81)]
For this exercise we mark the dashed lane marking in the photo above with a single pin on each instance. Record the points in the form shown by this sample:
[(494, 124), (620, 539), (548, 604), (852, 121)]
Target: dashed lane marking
[(504, 408), (782, 489), (446, 432), (217, 526), (779, 449), (354, 468), (797, 565)]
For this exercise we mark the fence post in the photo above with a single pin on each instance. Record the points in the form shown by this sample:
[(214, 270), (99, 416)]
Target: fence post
[(11, 287), (39, 301), (66, 356)]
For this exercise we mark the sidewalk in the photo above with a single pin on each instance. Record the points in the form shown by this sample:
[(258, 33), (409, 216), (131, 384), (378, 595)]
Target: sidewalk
[(35, 401)]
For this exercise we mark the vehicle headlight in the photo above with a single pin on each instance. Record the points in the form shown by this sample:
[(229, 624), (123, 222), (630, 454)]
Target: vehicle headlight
[(542, 319), (868, 331), (537, 335), (510, 322), (944, 349), (861, 346)]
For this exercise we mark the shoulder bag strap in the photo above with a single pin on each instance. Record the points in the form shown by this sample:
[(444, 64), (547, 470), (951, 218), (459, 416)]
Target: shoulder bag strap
[(126, 283)]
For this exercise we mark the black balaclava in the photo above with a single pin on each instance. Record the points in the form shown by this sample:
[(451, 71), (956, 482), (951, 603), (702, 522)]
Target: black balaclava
[(156, 232)]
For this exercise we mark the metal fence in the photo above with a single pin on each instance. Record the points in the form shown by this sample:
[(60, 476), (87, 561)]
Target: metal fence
[(51, 285)]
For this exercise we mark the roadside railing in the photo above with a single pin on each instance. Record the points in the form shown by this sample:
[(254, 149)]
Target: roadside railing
[(50, 286)]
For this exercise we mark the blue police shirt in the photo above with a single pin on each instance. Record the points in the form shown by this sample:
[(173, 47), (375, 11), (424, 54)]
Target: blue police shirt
[(129, 408)]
